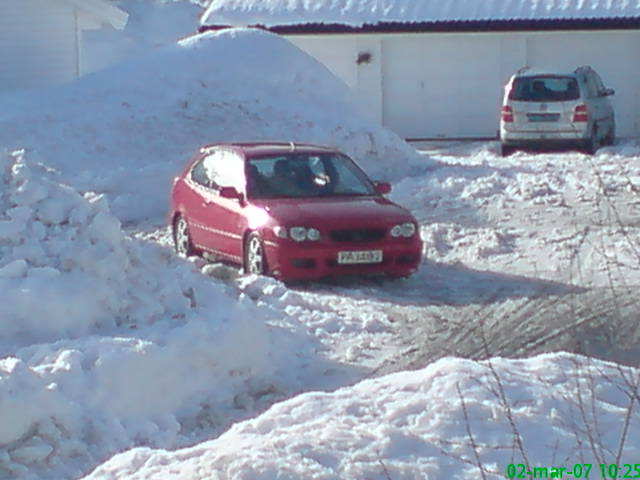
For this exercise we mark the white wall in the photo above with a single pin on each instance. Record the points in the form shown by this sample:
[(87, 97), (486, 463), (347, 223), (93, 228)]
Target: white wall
[(443, 85), (37, 43), (340, 54)]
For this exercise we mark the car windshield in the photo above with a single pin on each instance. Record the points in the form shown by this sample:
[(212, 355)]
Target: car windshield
[(547, 88), (297, 175)]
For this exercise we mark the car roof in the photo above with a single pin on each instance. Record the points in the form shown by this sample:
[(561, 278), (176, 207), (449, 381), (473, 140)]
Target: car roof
[(544, 73), (256, 149), (527, 71)]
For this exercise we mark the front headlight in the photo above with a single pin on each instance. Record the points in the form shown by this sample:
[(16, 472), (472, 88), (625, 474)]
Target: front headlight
[(313, 234), (404, 230), (300, 234), (280, 232)]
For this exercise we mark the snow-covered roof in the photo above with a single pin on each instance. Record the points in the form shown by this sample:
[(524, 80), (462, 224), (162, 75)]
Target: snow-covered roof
[(103, 10), (270, 13)]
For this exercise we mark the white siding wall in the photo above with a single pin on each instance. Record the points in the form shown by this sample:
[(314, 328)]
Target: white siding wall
[(37, 43), (340, 53), (443, 85)]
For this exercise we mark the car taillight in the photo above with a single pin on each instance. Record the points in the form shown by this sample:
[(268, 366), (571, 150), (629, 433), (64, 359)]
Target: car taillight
[(507, 114), (580, 114)]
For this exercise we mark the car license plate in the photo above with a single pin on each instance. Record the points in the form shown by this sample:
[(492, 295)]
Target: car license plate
[(543, 117), (363, 256)]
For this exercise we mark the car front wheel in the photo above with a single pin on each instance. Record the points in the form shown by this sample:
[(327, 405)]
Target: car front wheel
[(254, 256), (181, 238)]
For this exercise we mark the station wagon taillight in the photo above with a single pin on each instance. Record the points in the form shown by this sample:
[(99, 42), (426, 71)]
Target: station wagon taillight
[(507, 114), (580, 114)]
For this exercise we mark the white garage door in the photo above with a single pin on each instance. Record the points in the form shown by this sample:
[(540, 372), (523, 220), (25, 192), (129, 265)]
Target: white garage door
[(440, 87)]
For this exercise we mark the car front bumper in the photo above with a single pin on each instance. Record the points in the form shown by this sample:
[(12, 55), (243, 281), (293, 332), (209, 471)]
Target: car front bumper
[(308, 261)]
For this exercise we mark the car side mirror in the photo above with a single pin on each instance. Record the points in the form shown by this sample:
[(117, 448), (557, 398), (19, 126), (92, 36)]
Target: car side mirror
[(382, 187), (608, 92), (230, 192)]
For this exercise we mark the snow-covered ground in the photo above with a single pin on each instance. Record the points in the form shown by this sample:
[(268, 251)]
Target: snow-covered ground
[(561, 216), (449, 420), (109, 342)]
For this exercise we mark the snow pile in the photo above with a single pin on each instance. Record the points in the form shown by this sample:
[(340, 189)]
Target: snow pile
[(128, 130), (439, 422), (561, 216), (358, 12), (65, 264), (65, 407), (108, 343)]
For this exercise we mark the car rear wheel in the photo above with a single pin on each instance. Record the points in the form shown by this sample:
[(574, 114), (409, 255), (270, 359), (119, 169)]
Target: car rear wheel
[(181, 238), (591, 144), (611, 135), (254, 258), (505, 150)]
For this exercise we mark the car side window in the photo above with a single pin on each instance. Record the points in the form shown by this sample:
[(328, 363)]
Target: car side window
[(224, 168), (347, 178), (199, 174)]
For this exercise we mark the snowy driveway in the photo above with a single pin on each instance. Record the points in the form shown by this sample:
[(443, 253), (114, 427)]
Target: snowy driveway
[(131, 345), (539, 252)]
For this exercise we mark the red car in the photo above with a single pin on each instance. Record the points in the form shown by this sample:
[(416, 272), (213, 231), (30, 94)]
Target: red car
[(293, 211)]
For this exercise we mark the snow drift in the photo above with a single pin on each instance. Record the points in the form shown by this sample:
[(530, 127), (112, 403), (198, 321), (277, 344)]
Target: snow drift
[(66, 268), (108, 342), (128, 130), (439, 422)]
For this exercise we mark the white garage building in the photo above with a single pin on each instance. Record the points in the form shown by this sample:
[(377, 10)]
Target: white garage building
[(435, 68), (41, 40)]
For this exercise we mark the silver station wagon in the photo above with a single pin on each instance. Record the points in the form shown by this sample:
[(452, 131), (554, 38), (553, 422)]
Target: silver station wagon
[(555, 110)]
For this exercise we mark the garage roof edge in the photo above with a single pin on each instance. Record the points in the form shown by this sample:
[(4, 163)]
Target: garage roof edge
[(622, 23)]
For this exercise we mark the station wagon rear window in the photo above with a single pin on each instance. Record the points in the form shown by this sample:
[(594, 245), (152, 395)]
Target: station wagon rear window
[(544, 88)]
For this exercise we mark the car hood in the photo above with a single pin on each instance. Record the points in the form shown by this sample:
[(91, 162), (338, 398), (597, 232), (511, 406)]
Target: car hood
[(344, 210)]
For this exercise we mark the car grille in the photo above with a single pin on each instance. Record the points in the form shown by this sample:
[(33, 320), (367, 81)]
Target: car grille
[(358, 235)]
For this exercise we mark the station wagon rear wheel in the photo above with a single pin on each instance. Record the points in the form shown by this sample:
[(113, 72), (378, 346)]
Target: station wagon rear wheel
[(254, 257), (181, 238), (506, 150), (591, 144), (611, 135)]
